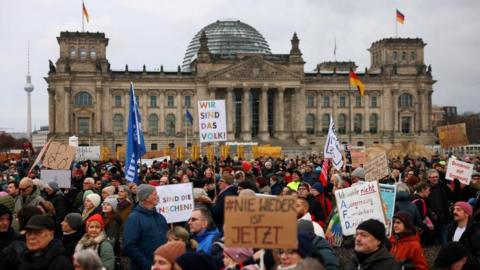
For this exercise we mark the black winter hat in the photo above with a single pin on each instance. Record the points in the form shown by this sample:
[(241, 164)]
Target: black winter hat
[(196, 261), (375, 228), (450, 253), (39, 222)]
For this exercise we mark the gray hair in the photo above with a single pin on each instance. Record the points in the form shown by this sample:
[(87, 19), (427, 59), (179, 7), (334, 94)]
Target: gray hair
[(88, 259), (432, 171)]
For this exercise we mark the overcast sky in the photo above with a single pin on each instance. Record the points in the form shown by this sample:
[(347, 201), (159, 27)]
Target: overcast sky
[(156, 32)]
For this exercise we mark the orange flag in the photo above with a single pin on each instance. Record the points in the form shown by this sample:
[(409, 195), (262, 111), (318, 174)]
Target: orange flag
[(85, 12), (355, 81)]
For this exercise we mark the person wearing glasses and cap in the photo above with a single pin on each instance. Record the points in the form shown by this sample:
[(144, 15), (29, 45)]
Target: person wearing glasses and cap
[(29, 194)]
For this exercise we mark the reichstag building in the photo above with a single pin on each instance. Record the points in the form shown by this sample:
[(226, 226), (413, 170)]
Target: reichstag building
[(269, 97)]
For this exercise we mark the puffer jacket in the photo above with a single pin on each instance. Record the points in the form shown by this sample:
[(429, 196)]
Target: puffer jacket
[(205, 240), (379, 260), (51, 258), (408, 248)]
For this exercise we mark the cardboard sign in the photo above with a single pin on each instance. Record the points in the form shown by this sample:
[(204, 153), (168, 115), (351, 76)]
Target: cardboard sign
[(268, 151), (87, 153), (358, 157), (260, 222), (357, 204), (453, 135), (62, 177), (212, 121), (176, 202), (460, 170), (376, 168), (388, 193), (149, 162), (59, 156)]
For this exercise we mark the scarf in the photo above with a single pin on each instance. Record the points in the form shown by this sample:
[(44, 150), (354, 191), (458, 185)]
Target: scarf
[(90, 243)]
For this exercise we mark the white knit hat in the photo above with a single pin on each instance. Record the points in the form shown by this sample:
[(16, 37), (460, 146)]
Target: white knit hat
[(94, 198)]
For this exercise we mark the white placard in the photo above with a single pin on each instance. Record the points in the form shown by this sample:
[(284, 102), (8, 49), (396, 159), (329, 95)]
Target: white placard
[(212, 120), (357, 204), (62, 177), (149, 162), (87, 153), (460, 170), (176, 202)]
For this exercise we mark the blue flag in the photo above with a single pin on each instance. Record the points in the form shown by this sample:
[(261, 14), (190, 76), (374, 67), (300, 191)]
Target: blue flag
[(135, 142), (189, 118)]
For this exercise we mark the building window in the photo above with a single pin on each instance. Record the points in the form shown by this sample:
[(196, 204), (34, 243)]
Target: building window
[(118, 125), (395, 56), (170, 125), (153, 125), (73, 52), (404, 56), (342, 124), (153, 101), (406, 125), (118, 101), (83, 99), (153, 146), (310, 101), (83, 52), (310, 124), (188, 101), (358, 101), (326, 101), (83, 126), (170, 101), (412, 56), (357, 124), (93, 52), (325, 123), (373, 123), (405, 100), (342, 102), (373, 101)]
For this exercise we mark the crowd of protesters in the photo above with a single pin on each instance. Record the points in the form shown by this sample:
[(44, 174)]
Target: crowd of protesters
[(104, 222)]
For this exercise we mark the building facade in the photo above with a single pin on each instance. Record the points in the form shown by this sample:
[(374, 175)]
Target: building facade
[(269, 98)]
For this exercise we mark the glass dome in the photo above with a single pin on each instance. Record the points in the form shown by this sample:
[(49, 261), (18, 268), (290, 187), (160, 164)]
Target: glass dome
[(227, 37)]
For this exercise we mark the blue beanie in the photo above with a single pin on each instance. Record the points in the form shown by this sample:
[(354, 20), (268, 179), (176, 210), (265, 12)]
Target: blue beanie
[(318, 187), (318, 169)]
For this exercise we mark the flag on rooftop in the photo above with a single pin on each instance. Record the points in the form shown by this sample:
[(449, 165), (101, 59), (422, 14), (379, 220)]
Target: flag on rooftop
[(400, 17), (355, 81), (85, 12)]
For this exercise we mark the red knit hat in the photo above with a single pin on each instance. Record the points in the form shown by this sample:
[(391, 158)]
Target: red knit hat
[(466, 207), (98, 218)]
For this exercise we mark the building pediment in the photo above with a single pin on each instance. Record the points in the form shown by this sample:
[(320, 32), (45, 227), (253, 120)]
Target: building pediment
[(255, 68)]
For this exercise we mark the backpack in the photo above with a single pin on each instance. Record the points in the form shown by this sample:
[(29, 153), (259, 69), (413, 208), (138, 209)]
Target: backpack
[(426, 221)]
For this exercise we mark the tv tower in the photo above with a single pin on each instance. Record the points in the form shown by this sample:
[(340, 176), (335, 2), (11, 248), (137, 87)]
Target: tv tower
[(29, 89)]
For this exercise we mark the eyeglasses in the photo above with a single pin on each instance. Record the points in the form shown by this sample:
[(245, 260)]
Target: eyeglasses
[(193, 219)]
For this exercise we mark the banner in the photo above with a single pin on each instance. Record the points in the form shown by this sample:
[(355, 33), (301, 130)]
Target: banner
[(460, 170), (268, 151), (332, 147), (357, 204), (59, 156), (87, 153), (176, 202), (212, 121), (376, 168), (388, 193), (453, 135), (260, 222), (149, 162), (135, 141), (62, 177)]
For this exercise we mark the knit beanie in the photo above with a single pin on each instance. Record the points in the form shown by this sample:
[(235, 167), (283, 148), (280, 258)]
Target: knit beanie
[(359, 172), (143, 191), (4, 210), (305, 246), (318, 187), (466, 207), (96, 217), (74, 220), (238, 254), (7, 200), (449, 254), (305, 226), (110, 190), (375, 228), (94, 198), (53, 186), (171, 250), (406, 219), (196, 261), (86, 193), (113, 201)]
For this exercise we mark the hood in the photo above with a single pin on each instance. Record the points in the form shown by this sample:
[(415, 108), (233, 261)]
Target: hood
[(402, 196)]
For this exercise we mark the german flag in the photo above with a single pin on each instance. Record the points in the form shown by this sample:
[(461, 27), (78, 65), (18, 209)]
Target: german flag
[(85, 12), (355, 81), (400, 17)]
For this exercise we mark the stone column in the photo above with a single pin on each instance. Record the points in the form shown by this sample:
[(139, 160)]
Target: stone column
[(107, 111), (229, 105), (51, 110), (429, 109), (334, 108), (420, 109), (98, 110), (181, 113), (195, 115), (280, 113), (366, 117), (126, 109), (318, 122), (212, 93), (386, 111), (161, 112), (68, 112), (246, 116), (263, 134), (301, 109), (395, 119)]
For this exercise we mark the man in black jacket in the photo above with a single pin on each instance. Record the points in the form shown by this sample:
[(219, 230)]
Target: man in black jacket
[(226, 188), (438, 200)]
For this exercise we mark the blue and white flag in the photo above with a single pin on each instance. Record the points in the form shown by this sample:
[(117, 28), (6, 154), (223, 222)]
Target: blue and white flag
[(189, 118), (135, 142), (332, 147)]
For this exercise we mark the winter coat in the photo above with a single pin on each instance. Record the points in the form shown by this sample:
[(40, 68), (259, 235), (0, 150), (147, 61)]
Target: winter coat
[(51, 258), (102, 246), (379, 260), (33, 199), (206, 239), (403, 203), (276, 188), (145, 230), (320, 209), (439, 204), (323, 251), (470, 237), (310, 177), (70, 242), (10, 257), (58, 201), (218, 210), (408, 248)]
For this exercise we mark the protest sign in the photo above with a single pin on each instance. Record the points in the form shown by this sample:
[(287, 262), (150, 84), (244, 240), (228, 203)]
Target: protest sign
[(149, 162), (388, 192), (260, 222), (212, 121), (452, 135), (87, 153), (357, 204), (59, 156), (358, 157), (176, 202), (460, 170), (268, 151), (62, 177), (376, 168)]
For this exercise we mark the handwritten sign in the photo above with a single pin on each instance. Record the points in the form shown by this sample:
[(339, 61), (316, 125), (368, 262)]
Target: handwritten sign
[(87, 153), (460, 170), (212, 121), (59, 156), (357, 204), (452, 135), (149, 162), (176, 202), (62, 177), (260, 222), (388, 193), (358, 157), (376, 168)]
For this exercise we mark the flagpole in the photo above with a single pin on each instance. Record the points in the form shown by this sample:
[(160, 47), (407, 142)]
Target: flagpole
[(83, 24), (396, 30), (186, 132)]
